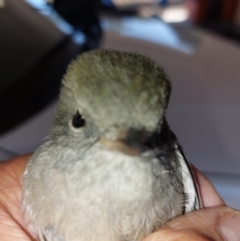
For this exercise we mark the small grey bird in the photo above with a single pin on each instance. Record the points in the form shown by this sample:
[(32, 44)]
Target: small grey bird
[(111, 168)]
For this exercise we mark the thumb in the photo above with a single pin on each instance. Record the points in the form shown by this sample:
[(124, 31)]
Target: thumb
[(215, 224), (229, 225)]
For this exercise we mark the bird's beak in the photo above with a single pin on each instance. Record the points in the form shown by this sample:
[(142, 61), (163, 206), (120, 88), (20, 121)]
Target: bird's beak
[(129, 142)]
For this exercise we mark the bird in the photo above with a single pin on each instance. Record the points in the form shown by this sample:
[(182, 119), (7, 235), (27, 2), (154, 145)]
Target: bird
[(111, 169)]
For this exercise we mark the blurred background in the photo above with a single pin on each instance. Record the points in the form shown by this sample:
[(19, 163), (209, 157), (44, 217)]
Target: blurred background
[(196, 41)]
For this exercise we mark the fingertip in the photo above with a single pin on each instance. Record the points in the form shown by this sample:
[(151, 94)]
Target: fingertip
[(15, 166), (229, 225), (208, 194)]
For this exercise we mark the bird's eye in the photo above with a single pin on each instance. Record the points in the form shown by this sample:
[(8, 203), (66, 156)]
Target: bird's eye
[(78, 121)]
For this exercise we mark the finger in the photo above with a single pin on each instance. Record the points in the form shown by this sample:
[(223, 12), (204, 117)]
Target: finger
[(13, 168), (208, 193), (11, 172), (218, 224), (11, 216)]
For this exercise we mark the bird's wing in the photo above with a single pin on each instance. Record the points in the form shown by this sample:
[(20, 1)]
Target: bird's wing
[(193, 201)]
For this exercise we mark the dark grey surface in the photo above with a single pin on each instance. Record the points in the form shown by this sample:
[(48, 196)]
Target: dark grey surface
[(34, 54), (24, 34)]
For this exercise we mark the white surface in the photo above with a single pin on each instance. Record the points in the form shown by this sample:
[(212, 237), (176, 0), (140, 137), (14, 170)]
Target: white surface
[(132, 27)]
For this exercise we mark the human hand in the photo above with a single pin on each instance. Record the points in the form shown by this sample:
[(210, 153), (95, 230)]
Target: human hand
[(201, 225), (12, 226)]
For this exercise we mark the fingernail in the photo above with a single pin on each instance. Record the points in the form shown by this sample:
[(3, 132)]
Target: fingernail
[(229, 225)]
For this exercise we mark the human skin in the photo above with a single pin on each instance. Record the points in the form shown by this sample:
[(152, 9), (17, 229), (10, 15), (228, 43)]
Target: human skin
[(210, 223)]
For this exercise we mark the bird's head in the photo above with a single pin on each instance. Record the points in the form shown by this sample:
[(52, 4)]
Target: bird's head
[(115, 97)]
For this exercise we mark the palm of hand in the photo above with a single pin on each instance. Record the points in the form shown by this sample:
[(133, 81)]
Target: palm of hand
[(183, 228)]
